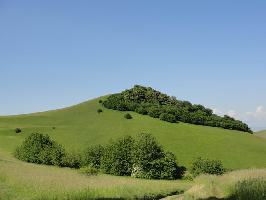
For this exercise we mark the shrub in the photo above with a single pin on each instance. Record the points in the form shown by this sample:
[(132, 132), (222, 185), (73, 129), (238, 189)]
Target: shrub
[(18, 130), (168, 118), (89, 171), (117, 157), (154, 112), (251, 189), (99, 111), (92, 156), (151, 162), (100, 101), (40, 149), (72, 160), (206, 166), (141, 110), (128, 116)]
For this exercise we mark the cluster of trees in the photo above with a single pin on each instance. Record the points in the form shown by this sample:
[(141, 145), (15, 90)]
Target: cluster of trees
[(140, 157), (41, 149), (147, 101)]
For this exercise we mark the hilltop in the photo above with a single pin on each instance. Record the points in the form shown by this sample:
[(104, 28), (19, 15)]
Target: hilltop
[(80, 126)]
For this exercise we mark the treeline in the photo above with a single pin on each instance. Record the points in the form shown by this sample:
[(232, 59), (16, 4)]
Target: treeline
[(140, 157), (147, 101)]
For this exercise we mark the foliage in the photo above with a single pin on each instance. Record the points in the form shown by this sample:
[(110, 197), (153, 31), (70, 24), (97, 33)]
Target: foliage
[(99, 111), (40, 149), (100, 101), (151, 162), (72, 160), (92, 156), (128, 116), (145, 100), (250, 189), (206, 166), (117, 157), (89, 170), (168, 117), (18, 130), (140, 158)]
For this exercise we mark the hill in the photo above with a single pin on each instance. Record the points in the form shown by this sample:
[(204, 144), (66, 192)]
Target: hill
[(79, 126), (261, 134)]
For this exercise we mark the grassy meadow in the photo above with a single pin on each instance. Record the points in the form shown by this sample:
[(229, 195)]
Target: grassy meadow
[(222, 187), (19, 180), (261, 134), (80, 126)]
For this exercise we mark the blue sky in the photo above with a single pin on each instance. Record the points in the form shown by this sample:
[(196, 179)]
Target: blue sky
[(58, 53)]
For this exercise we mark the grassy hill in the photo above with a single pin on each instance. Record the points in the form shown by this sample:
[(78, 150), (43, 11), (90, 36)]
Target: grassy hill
[(79, 126), (261, 134)]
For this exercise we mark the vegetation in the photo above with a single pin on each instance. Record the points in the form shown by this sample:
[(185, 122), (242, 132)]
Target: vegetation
[(18, 130), (250, 189), (99, 111), (145, 100), (236, 185), (40, 149), (143, 158), (206, 166), (80, 126), (19, 180), (128, 116), (89, 171)]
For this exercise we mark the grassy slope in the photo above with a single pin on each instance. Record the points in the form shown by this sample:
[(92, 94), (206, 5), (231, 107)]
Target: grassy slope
[(261, 134), (19, 180), (80, 126)]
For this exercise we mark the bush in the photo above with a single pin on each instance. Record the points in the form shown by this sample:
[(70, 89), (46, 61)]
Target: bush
[(128, 116), (168, 118), (151, 162), (141, 110), (89, 171), (18, 130), (72, 160), (251, 189), (154, 112), (117, 157), (206, 166), (100, 101), (92, 156), (40, 149), (99, 111)]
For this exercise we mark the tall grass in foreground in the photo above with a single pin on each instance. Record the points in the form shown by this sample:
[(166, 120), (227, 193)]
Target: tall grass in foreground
[(250, 189), (229, 186)]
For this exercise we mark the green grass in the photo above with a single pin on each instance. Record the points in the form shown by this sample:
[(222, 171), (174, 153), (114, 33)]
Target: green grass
[(261, 134), (80, 126), (240, 184), (19, 180)]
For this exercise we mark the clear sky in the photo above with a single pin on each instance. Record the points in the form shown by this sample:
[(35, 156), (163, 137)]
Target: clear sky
[(58, 53)]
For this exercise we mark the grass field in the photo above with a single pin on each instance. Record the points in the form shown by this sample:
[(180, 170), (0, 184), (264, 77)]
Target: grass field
[(80, 126), (261, 134), (220, 187), (19, 180)]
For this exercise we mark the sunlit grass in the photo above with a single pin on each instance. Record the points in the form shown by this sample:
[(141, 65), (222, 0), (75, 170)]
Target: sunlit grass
[(19, 180), (207, 186)]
